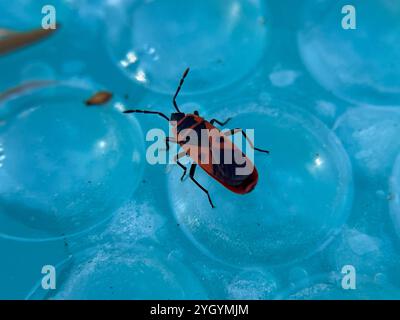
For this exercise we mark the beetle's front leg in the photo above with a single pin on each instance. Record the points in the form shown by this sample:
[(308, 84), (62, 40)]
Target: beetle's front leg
[(168, 140)]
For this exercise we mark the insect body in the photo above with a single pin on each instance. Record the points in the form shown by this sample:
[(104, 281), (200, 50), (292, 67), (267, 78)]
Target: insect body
[(212, 157)]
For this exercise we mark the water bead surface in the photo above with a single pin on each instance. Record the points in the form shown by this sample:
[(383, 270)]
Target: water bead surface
[(115, 273), (155, 41), (252, 285), (64, 166), (360, 64), (22, 263), (370, 136), (395, 201), (329, 287), (17, 19), (370, 255), (301, 200)]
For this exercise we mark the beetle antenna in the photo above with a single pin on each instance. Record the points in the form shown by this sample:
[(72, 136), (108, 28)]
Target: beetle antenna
[(148, 112), (179, 89)]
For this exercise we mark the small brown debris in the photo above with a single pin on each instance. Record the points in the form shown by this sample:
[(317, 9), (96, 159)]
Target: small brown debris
[(99, 98)]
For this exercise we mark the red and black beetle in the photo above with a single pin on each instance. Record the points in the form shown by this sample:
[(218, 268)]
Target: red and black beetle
[(224, 173)]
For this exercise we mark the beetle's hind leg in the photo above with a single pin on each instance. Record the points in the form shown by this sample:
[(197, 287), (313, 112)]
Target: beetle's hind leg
[(237, 130), (183, 167), (221, 123), (177, 157), (191, 174)]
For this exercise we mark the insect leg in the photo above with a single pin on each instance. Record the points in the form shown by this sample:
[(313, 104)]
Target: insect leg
[(171, 139), (220, 122), (168, 140), (179, 89), (183, 167), (191, 174), (176, 158), (148, 112), (236, 130)]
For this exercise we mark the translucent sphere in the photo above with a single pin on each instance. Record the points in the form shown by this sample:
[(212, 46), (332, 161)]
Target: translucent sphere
[(16, 19), (356, 64), (128, 274), (40, 59), (64, 167), (395, 196), (301, 200), (22, 263), (297, 274), (369, 255), (370, 136), (329, 287), (155, 41), (252, 285)]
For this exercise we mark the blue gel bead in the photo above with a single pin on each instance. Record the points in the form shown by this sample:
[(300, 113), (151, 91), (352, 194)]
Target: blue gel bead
[(64, 167), (395, 196), (356, 64), (23, 15), (155, 41), (23, 262), (252, 285), (370, 136), (302, 198), (128, 274), (370, 255), (329, 287)]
